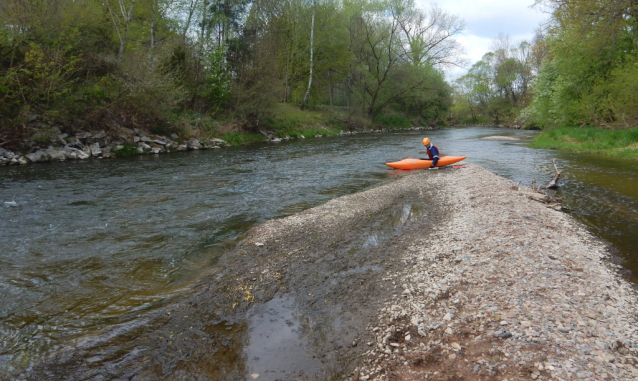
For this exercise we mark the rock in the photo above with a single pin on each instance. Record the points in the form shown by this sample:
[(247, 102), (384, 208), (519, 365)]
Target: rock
[(19, 160), (10, 204), (55, 155), (143, 147), (38, 157), (259, 244), (318, 136), (139, 132), (182, 147), (160, 142), (448, 331), (127, 131), (136, 139), (95, 150), (447, 317), (6, 154), (75, 142), (526, 324), (505, 335), (146, 139), (174, 136), (456, 346), (276, 140), (194, 144), (301, 137), (156, 149)]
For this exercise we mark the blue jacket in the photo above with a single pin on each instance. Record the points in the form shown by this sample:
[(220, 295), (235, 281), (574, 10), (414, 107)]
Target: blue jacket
[(433, 153)]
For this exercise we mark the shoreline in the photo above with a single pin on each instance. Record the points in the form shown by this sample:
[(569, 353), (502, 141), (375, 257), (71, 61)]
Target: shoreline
[(126, 142)]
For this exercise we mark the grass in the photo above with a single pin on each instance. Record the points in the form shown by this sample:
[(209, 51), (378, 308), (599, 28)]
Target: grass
[(242, 138), (284, 120), (616, 143)]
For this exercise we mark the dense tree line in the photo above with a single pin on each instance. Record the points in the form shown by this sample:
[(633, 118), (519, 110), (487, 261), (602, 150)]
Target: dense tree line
[(581, 69), (157, 62), (499, 86)]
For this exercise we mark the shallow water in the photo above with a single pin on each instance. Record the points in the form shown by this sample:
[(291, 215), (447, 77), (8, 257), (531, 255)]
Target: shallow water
[(93, 246)]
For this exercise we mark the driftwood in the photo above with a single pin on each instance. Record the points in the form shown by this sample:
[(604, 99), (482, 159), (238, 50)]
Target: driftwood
[(554, 182)]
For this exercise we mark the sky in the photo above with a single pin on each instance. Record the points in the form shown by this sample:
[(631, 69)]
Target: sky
[(485, 20)]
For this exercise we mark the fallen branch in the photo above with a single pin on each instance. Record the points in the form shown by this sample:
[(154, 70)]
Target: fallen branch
[(554, 182)]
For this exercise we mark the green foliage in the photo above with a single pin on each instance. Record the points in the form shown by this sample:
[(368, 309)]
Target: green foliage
[(496, 88), (126, 150), (217, 84), (197, 67), (239, 138), (591, 76), (44, 78), (393, 121), (619, 143)]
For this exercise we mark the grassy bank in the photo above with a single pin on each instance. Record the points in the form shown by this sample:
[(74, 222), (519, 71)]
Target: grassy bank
[(617, 143), (286, 120)]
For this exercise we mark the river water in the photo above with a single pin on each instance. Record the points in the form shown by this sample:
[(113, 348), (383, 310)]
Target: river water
[(90, 244)]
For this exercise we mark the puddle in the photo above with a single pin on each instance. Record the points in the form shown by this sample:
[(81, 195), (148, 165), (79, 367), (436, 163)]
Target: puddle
[(277, 348), (398, 217)]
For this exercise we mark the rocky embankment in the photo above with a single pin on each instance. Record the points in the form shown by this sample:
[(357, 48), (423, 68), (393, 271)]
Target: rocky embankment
[(53, 145), (507, 288)]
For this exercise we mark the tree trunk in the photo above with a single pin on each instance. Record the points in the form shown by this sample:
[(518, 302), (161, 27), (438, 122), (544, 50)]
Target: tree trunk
[(127, 24), (190, 16), (153, 28), (312, 39)]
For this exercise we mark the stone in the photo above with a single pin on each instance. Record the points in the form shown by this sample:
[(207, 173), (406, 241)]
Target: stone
[(144, 147), (95, 150), (447, 317), (449, 331), (55, 155), (6, 154), (182, 147), (456, 346), (194, 144), (38, 157), (174, 136), (276, 140)]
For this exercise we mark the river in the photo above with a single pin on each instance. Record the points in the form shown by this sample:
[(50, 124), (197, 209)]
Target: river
[(90, 245)]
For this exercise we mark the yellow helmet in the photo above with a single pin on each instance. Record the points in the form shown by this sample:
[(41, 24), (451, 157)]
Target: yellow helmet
[(426, 141)]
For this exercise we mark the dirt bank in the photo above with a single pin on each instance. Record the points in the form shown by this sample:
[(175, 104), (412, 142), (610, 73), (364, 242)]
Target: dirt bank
[(447, 274)]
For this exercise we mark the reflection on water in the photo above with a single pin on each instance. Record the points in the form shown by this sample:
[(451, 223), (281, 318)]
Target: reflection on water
[(394, 220), (90, 246), (276, 347)]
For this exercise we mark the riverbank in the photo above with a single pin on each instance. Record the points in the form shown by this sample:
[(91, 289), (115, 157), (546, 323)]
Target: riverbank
[(434, 274), (609, 142), (55, 143)]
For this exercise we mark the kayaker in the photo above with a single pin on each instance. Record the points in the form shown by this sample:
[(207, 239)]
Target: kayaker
[(433, 152)]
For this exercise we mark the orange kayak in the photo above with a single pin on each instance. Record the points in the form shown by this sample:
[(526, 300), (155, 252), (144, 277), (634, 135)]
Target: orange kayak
[(420, 164)]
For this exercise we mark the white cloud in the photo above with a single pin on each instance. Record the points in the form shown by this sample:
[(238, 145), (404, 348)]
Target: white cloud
[(486, 19)]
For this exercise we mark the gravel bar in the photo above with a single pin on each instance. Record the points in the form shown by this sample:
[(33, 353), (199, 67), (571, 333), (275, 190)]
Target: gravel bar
[(506, 287)]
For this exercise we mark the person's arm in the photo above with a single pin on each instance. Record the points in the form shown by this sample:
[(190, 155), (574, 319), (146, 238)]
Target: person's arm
[(435, 156)]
